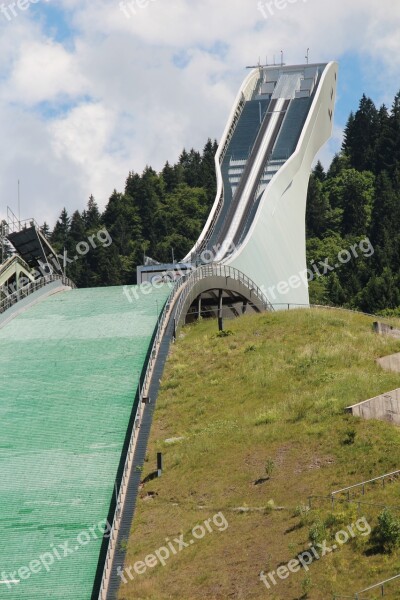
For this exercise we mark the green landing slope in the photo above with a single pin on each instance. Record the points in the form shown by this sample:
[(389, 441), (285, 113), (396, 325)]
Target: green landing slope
[(69, 370)]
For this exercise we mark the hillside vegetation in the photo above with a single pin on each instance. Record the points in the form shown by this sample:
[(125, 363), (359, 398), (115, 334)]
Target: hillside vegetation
[(260, 414), (161, 214)]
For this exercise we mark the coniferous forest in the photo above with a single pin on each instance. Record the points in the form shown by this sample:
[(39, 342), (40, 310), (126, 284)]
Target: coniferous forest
[(161, 215)]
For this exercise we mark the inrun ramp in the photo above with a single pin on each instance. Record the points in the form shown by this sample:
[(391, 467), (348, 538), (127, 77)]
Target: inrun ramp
[(69, 369), (281, 118)]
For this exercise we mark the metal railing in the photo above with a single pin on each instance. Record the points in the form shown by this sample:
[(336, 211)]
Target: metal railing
[(239, 109), (378, 586), (345, 500), (10, 260), (14, 258), (362, 485), (219, 271), (28, 289), (15, 224), (200, 247), (141, 392), (335, 496), (248, 171), (291, 306), (173, 305)]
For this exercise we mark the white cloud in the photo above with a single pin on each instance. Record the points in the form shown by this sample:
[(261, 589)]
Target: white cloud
[(75, 118), (43, 71)]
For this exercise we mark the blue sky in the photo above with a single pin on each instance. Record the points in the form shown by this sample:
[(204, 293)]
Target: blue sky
[(55, 21), (89, 91), (355, 80)]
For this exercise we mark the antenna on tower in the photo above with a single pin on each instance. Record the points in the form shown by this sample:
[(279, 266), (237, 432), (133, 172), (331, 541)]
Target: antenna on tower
[(281, 58), (19, 204), (308, 55)]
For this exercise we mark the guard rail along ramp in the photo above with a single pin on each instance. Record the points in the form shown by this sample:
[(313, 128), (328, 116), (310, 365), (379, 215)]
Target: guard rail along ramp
[(32, 287), (171, 318), (71, 363)]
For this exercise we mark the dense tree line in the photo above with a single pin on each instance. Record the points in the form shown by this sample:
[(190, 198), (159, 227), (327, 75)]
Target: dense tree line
[(358, 198), (158, 215), (161, 215)]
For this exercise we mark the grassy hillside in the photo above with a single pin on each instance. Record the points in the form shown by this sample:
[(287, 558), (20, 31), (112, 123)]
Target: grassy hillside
[(260, 414)]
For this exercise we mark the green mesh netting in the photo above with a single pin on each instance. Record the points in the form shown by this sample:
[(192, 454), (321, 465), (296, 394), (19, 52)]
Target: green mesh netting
[(69, 370)]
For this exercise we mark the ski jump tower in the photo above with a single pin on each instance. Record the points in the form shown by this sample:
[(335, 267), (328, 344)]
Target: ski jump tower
[(251, 250), (281, 118)]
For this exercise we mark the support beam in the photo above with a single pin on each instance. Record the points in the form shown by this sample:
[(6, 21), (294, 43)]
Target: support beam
[(220, 321)]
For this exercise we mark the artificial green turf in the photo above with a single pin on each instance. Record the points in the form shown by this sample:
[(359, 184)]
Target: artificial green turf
[(69, 369)]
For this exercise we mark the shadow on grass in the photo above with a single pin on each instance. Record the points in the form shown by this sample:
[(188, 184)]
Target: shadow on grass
[(150, 477)]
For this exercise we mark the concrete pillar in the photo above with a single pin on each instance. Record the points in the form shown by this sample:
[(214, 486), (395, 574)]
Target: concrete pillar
[(220, 321)]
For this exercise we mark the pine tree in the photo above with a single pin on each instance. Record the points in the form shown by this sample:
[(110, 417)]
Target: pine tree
[(192, 171), (336, 292), (395, 127), (78, 269), (91, 216), (361, 134), (356, 199), (384, 149), (319, 172), (172, 176), (59, 237), (381, 292), (183, 216), (149, 203), (122, 220), (132, 185), (339, 163), (208, 177), (318, 208), (45, 230), (77, 229), (348, 133), (386, 210)]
